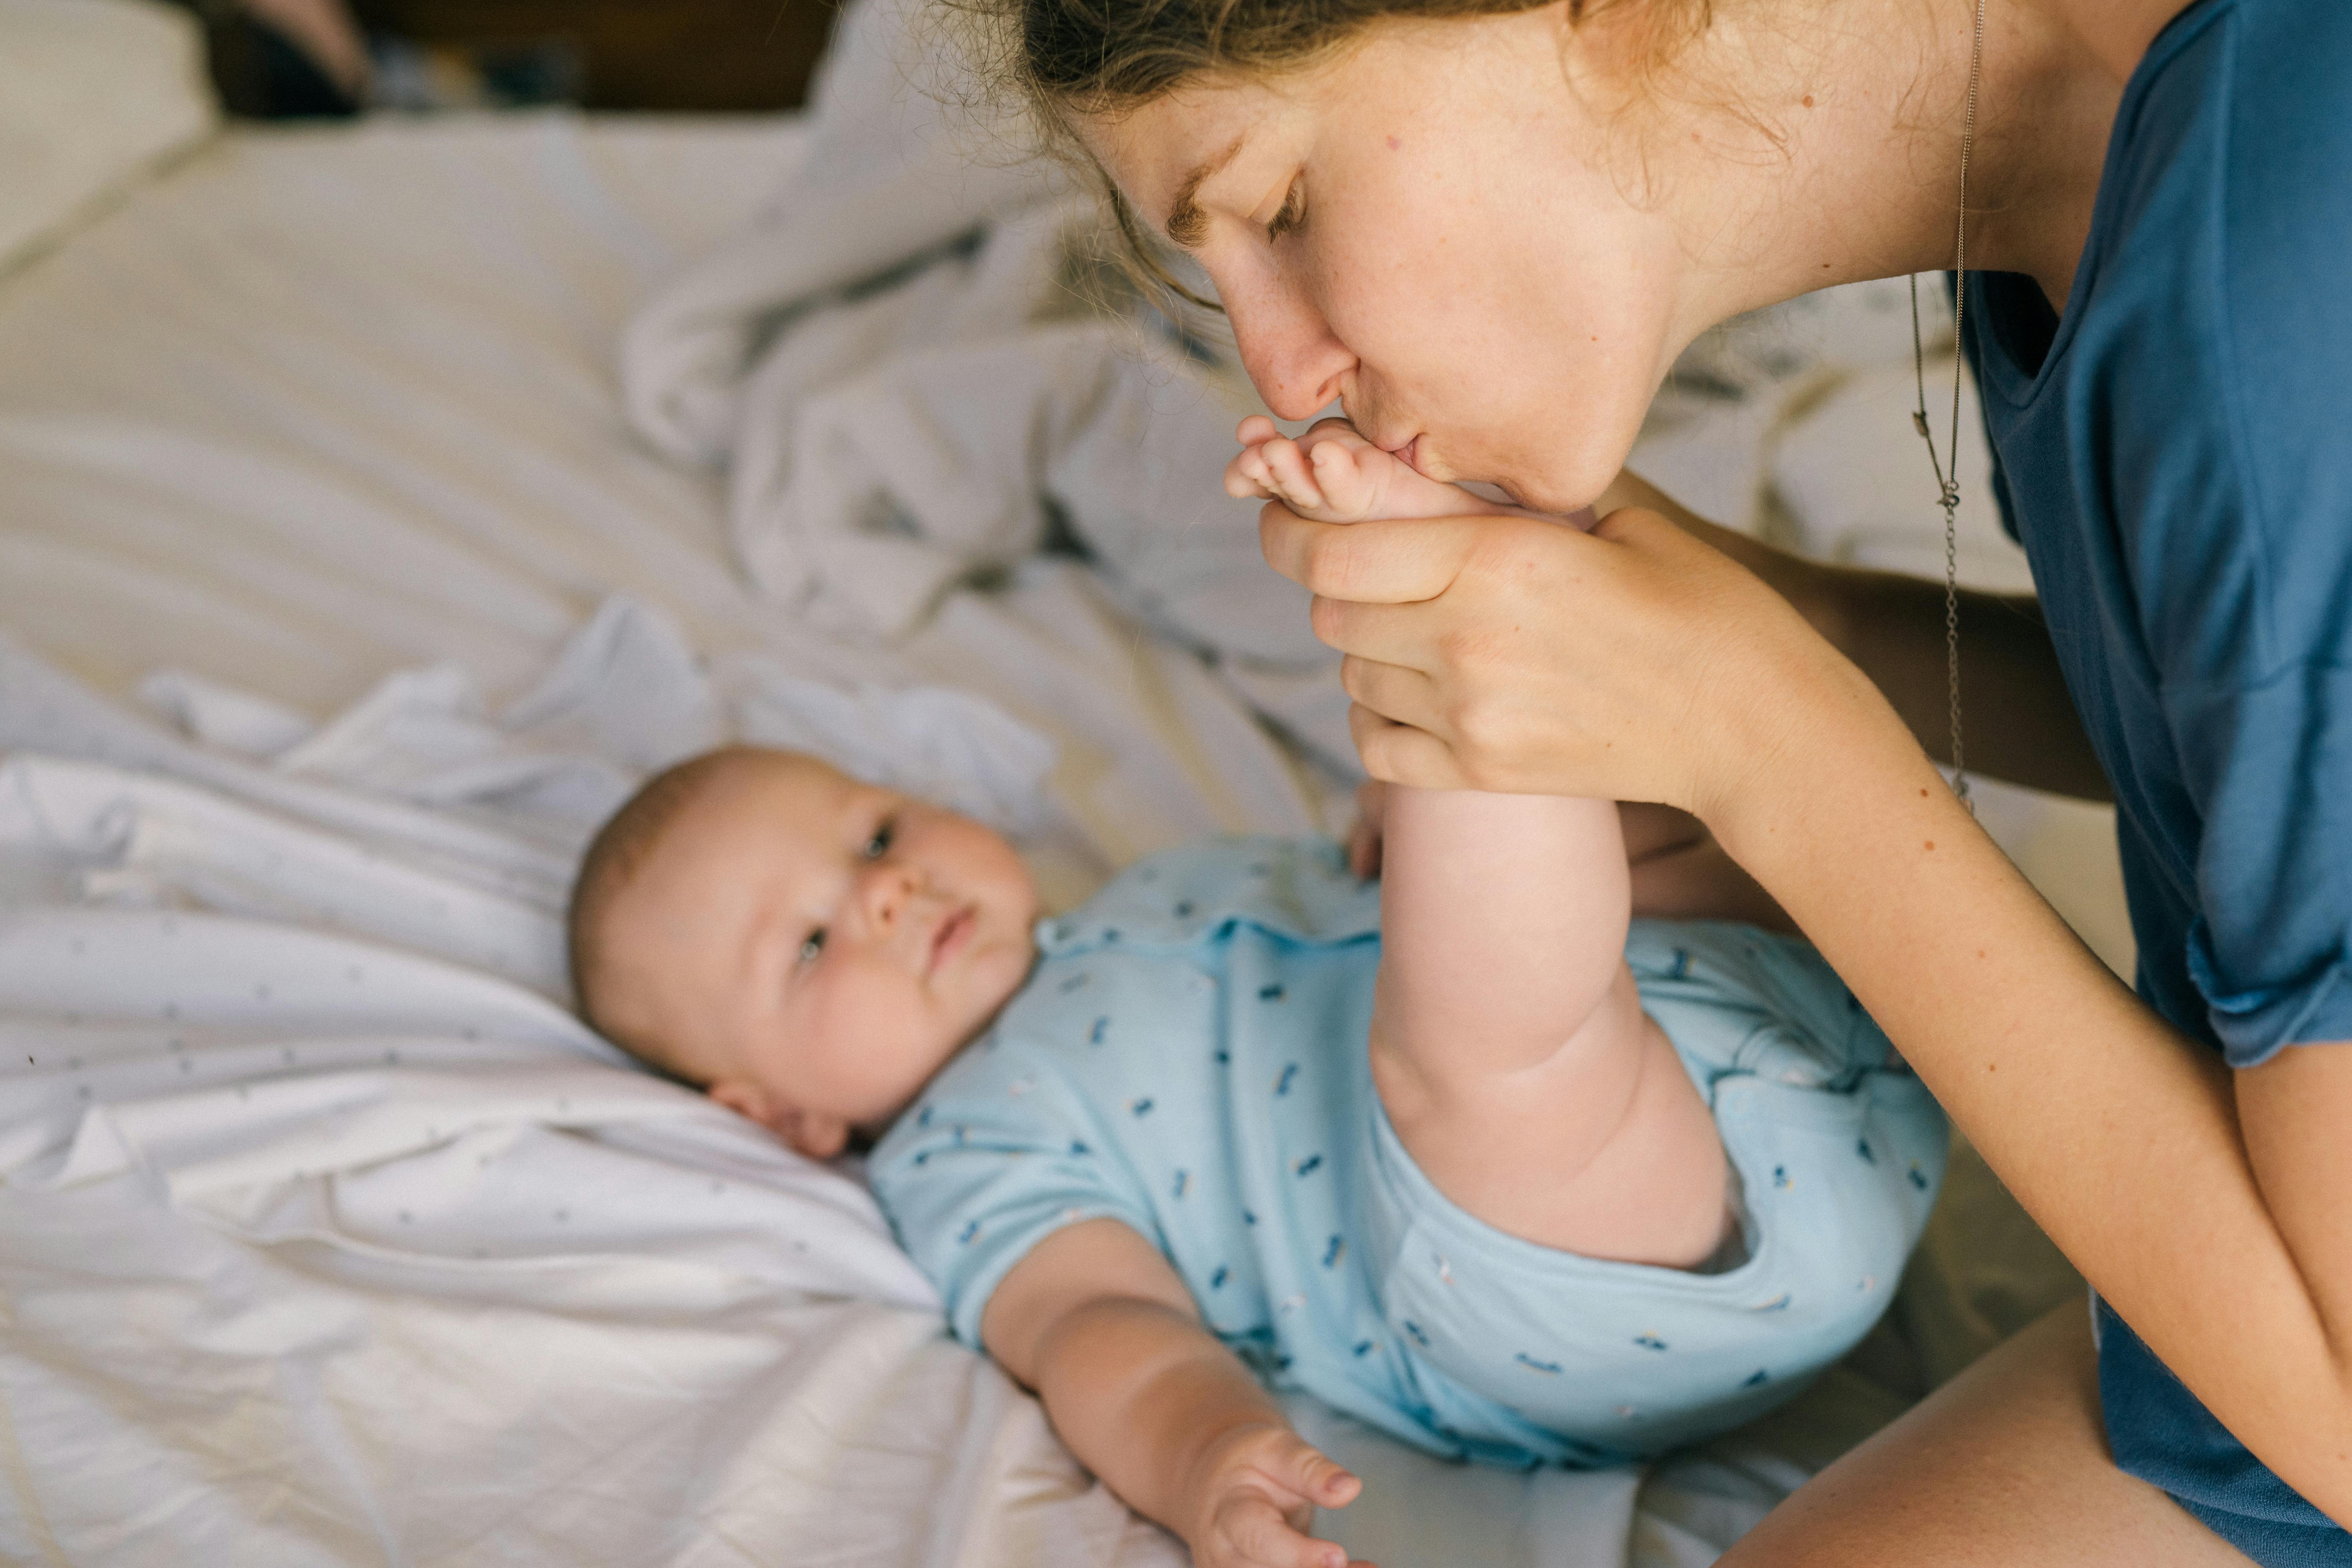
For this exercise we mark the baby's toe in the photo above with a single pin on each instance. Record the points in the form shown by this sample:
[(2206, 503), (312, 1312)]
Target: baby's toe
[(1287, 465), (1340, 474)]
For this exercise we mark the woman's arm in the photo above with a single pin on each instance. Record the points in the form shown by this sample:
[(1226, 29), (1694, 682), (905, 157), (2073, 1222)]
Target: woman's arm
[(2021, 724), (1636, 662), (1096, 1321)]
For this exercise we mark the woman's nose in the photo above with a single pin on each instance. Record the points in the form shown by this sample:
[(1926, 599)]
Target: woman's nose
[(1294, 358)]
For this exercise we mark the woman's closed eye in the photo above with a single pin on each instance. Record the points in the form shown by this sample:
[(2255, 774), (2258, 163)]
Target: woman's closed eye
[(1293, 215)]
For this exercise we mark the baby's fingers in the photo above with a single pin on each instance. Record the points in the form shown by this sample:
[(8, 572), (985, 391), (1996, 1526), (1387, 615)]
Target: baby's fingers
[(1251, 1530), (1314, 1475)]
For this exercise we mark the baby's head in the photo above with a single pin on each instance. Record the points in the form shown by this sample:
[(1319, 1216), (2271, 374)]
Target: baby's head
[(807, 948)]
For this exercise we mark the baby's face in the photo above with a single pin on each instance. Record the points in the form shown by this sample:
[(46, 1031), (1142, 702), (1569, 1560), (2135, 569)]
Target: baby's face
[(814, 948)]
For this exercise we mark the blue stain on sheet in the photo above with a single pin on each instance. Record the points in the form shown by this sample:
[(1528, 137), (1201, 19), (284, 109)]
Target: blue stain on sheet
[(1918, 1178), (1757, 1379), (1269, 993), (1309, 1165), (1649, 1341), (1361, 1348), (1289, 1076), (1780, 1176), (1225, 1059), (963, 1237), (1249, 1217), (1551, 1368), (1110, 933), (1079, 1146), (1681, 971), (1333, 1251), (1072, 983), (1095, 1036), (1861, 1147), (1184, 910), (1140, 1107), (1420, 1337), (923, 1117), (1217, 1280), (1183, 1180)]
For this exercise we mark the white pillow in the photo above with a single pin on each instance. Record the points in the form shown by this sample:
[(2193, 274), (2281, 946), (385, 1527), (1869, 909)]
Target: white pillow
[(92, 93)]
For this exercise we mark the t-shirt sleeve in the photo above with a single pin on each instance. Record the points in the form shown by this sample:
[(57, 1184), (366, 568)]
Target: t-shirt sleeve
[(999, 1153), (2251, 602)]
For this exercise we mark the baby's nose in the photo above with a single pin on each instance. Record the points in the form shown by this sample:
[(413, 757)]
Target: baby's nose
[(887, 891)]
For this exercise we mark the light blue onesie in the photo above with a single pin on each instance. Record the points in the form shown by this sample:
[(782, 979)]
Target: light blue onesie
[(1189, 1057)]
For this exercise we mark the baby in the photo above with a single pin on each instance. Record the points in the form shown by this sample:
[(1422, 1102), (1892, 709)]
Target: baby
[(1469, 1152)]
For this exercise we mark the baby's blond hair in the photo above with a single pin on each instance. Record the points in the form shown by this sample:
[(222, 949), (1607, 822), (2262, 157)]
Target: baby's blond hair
[(615, 856)]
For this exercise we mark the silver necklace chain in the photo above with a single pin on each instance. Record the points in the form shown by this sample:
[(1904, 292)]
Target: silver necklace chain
[(1947, 481)]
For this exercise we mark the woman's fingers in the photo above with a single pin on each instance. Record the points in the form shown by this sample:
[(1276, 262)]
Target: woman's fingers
[(1380, 560), (1633, 663), (1394, 691), (1399, 753)]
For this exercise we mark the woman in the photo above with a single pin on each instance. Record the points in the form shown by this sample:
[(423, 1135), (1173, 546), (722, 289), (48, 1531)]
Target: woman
[(1489, 230)]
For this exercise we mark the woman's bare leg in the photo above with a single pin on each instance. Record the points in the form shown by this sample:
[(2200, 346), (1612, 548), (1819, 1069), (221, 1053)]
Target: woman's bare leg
[(2004, 1467)]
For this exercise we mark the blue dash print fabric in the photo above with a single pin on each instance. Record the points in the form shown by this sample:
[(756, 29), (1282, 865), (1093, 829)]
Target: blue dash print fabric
[(1189, 1057)]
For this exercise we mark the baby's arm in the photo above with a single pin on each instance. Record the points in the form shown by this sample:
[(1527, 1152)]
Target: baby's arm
[(1096, 1322)]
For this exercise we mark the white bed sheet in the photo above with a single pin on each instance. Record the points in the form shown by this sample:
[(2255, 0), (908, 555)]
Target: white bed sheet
[(322, 407)]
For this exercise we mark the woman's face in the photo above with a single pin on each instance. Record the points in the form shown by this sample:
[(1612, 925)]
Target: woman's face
[(1427, 230)]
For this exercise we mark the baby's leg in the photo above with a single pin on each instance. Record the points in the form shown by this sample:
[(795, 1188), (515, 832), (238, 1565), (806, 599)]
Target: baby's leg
[(1509, 1045)]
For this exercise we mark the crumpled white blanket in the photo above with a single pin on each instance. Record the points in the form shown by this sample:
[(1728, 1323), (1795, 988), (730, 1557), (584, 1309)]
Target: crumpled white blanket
[(331, 1235), (906, 385)]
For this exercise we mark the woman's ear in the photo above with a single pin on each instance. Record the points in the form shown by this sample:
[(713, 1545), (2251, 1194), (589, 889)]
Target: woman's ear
[(804, 1132)]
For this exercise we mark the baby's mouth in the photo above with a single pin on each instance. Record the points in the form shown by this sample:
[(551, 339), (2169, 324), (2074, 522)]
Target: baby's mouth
[(950, 937)]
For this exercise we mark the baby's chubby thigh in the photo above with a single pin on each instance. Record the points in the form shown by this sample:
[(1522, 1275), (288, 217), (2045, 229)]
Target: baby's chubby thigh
[(1578, 1360)]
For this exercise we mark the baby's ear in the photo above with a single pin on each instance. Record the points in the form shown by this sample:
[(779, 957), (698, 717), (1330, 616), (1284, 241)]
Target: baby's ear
[(809, 1132)]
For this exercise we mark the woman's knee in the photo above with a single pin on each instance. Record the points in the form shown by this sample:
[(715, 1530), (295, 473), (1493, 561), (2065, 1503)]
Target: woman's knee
[(2005, 1467)]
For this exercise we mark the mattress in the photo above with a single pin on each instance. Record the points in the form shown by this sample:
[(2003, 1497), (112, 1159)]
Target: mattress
[(339, 598)]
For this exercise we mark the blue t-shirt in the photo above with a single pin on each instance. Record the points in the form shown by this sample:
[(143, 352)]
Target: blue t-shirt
[(2175, 455)]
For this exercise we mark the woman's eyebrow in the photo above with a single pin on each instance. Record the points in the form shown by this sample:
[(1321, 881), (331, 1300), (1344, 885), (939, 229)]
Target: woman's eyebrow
[(1187, 223)]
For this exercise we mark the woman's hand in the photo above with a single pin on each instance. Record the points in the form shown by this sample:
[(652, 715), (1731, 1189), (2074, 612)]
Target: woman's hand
[(1508, 653), (1254, 1493)]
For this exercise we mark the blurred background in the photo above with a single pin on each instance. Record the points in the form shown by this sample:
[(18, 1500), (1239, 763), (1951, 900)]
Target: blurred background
[(303, 59)]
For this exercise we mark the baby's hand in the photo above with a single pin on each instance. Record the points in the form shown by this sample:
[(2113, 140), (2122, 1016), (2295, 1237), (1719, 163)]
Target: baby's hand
[(1331, 474), (1255, 1497)]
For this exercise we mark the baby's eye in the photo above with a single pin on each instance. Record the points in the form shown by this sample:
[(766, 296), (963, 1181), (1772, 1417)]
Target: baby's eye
[(1292, 215), (812, 945), (879, 845)]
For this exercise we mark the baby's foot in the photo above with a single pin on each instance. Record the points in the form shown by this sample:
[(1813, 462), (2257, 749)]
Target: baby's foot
[(1331, 474)]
